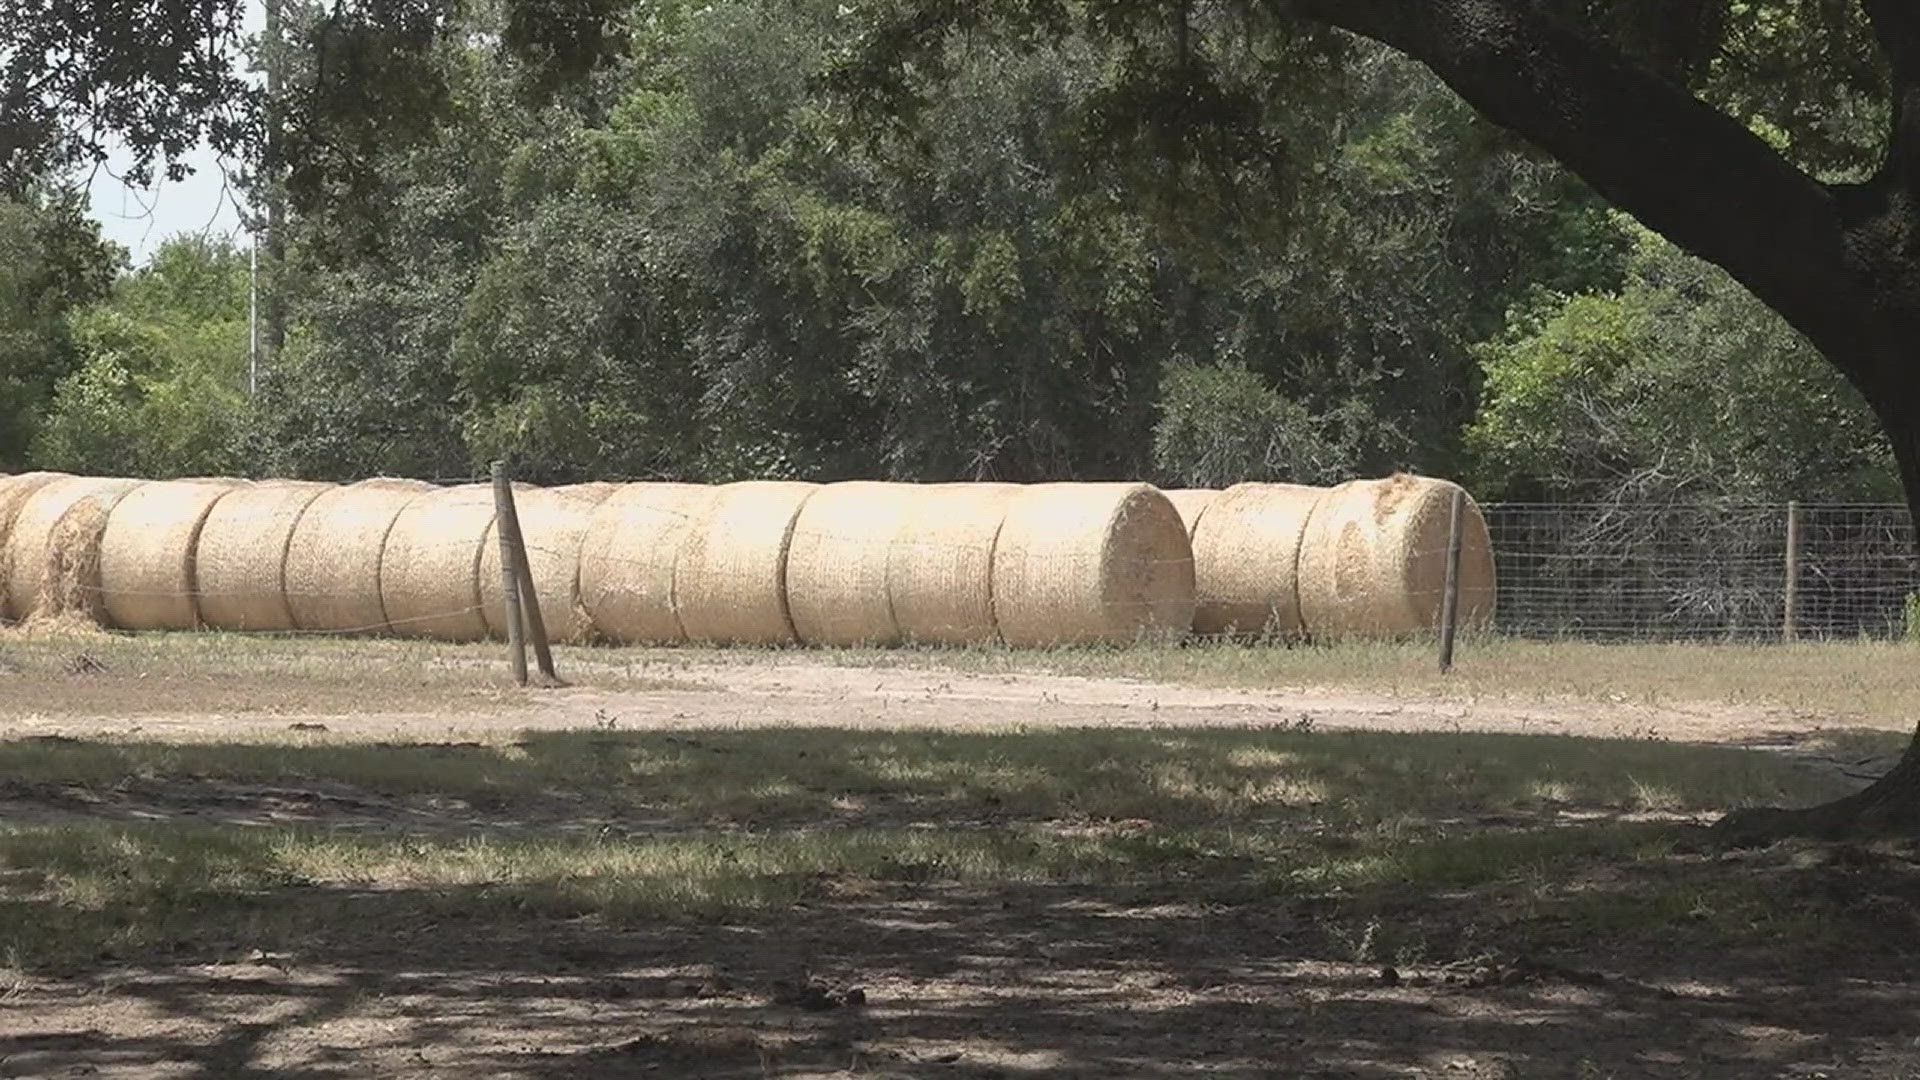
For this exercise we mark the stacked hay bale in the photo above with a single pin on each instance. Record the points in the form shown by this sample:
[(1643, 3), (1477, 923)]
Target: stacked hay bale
[(837, 563), (1373, 560), (53, 549), (1079, 563), (333, 561), (1192, 504), (430, 564), (240, 561), (1246, 553), (940, 564), (147, 553), (14, 492), (730, 583), (553, 525), (627, 561)]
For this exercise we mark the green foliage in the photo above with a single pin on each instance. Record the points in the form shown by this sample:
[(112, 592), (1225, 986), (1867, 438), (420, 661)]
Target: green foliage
[(161, 385), (1677, 384), (1222, 424), (53, 263)]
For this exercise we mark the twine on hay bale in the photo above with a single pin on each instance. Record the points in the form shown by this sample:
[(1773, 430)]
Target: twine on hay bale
[(553, 524), (14, 492), (333, 561), (240, 562), (627, 560), (53, 551), (1087, 563), (837, 563), (1373, 560), (430, 565), (1246, 554), (940, 566), (147, 559), (1192, 504), (730, 581)]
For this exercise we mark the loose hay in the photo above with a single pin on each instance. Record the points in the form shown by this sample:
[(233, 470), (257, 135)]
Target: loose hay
[(730, 582), (147, 578), (1246, 553), (240, 561), (940, 566), (53, 551), (1083, 563), (333, 561), (430, 566), (627, 560), (553, 523), (14, 492), (1192, 504), (1373, 560), (837, 563)]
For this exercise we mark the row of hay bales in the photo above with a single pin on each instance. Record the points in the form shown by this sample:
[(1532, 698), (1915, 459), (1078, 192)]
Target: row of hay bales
[(1365, 559), (753, 563)]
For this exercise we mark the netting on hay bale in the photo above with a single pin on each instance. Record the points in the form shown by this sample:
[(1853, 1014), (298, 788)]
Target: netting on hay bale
[(1373, 560), (553, 526), (53, 549), (838, 560), (333, 562), (1246, 552), (1192, 504), (1092, 563), (730, 581), (147, 552), (240, 562), (430, 565), (940, 566), (627, 560)]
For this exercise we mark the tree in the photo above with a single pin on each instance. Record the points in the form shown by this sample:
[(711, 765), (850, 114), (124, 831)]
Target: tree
[(160, 384), (1675, 111), (53, 263), (1678, 385)]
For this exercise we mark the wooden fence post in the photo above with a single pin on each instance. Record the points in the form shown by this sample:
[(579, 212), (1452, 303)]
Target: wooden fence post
[(1450, 599), (534, 624), (509, 573), (1790, 617)]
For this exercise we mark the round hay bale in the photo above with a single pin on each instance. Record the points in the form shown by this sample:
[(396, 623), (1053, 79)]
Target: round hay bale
[(1374, 556), (430, 566), (940, 567), (333, 560), (147, 553), (53, 551), (1085, 563), (730, 584), (240, 563), (627, 561), (1246, 554), (14, 492), (553, 523), (838, 559), (1192, 504)]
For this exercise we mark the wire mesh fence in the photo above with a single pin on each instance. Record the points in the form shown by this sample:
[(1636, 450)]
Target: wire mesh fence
[(1703, 571)]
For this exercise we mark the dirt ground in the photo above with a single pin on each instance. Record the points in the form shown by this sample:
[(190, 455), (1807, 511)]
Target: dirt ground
[(1212, 978)]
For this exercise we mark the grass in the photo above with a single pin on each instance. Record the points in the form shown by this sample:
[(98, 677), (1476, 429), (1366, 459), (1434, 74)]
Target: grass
[(626, 828), (227, 673)]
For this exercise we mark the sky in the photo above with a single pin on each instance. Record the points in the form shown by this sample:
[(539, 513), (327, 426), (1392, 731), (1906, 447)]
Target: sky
[(139, 219)]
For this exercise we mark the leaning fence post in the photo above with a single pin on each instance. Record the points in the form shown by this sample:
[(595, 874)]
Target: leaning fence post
[(509, 573), (1450, 597), (533, 623), (1790, 617)]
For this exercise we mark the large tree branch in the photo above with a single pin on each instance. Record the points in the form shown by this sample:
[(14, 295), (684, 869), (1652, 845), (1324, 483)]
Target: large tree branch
[(1645, 143), (1896, 26)]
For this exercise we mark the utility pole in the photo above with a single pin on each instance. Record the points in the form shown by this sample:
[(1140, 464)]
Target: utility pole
[(275, 315)]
